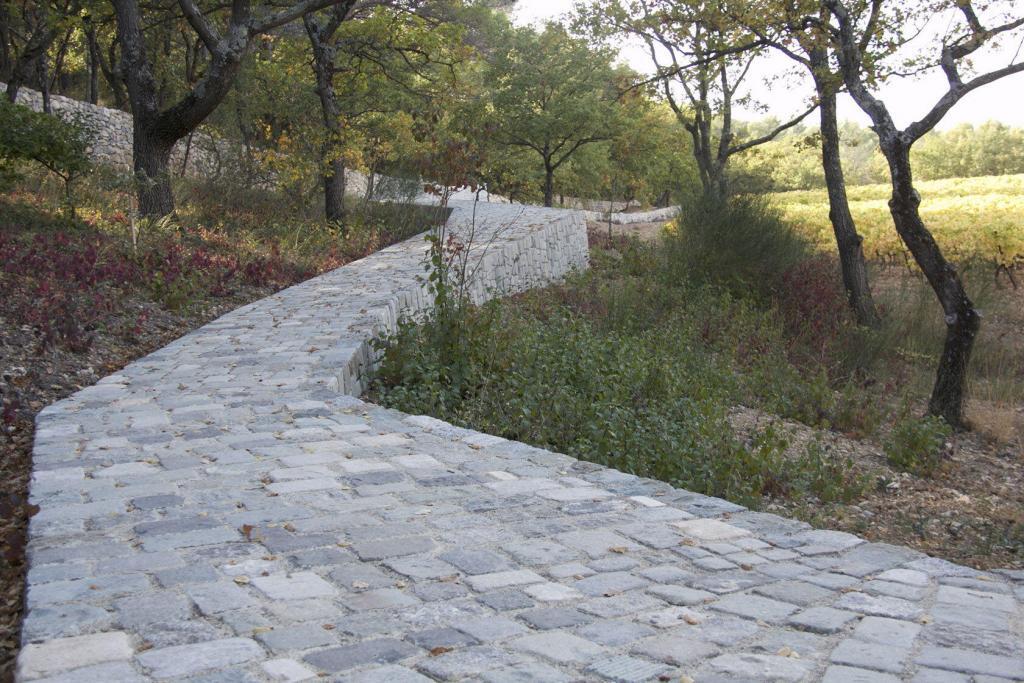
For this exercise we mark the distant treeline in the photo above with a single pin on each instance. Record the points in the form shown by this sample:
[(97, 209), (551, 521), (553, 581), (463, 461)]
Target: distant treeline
[(793, 162)]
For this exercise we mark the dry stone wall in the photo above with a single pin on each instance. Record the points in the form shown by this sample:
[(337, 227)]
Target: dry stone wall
[(112, 144)]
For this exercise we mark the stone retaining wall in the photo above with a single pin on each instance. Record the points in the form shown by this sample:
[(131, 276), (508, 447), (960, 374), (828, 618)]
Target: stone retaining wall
[(653, 216), (112, 144)]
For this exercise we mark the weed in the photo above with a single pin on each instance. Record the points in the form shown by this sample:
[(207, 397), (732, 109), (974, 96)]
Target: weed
[(918, 445)]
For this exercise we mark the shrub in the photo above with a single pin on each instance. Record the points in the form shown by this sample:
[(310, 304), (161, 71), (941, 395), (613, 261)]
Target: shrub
[(624, 370), (59, 145), (741, 244), (917, 445)]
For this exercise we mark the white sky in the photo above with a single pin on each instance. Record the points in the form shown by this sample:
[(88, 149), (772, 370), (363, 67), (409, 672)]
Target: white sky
[(907, 99)]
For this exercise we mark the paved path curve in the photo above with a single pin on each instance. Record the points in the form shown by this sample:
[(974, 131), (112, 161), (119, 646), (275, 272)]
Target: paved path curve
[(224, 510)]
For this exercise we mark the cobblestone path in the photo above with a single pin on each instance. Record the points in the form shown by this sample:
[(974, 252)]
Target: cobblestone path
[(222, 511)]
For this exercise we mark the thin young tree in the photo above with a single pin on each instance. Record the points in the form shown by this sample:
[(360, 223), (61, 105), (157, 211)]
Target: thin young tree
[(860, 31), (371, 57), (702, 59), (551, 95), (782, 25)]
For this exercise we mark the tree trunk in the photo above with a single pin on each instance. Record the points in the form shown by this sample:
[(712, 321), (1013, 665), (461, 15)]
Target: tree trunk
[(151, 157), (94, 62), (962, 319), (549, 184), (848, 241), (332, 173), (334, 191), (112, 74), (44, 84)]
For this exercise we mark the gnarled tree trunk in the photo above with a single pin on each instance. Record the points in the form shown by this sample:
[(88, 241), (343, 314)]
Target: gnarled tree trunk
[(962, 319), (848, 241)]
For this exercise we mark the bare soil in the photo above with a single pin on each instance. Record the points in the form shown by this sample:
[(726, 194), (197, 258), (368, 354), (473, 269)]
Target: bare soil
[(971, 511), (646, 232)]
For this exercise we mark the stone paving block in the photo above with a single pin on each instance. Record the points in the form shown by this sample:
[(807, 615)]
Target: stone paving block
[(895, 590), (755, 607), (382, 598), (475, 561), (526, 672), (709, 530), (64, 654), (871, 656), (678, 649), (296, 637), (966, 637), (487, 582), (822, 619), (971, 662), (879, 606), (759, 667), (287, 670), (386, 674), (671, 617), (91, 588), (883, 631), (794, 592), (121, 672), (489, 629), (559, 646), (552, 592), (213, 598), (151, 607), (681, 595), (440, 637), (625, 669), (64, 620), (420, 567), (727, 582), (197, 572), (925, 675), (508, 599), (379, 651), (847, 674), (392, 547), (554, 617), (976, 599), (597, 543), (295, 586), (183, 660), (611, 583), (464, 663)]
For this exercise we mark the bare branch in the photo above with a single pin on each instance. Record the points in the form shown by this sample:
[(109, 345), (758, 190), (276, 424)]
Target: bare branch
[(774, 133), (203, 28)]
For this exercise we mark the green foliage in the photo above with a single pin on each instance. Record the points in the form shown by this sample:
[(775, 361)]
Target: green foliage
[(793, 161), (624, 367), (58, 145), (918, 445), (741, 244), (550, 95)]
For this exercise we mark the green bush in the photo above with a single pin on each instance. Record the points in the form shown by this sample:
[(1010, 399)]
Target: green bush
[(626, 371), (741, 243), (59, 145), (917, 445)]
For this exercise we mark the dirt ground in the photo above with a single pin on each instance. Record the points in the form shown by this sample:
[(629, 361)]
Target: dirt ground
[(647, 232)]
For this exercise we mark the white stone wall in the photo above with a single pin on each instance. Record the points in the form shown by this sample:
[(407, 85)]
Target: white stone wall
[(113, 134), (655, 216)]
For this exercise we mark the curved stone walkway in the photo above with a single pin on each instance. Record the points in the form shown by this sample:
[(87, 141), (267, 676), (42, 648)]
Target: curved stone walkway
[(222, 510)]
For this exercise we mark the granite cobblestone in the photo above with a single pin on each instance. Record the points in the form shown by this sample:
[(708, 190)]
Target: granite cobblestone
[(224, 509)]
